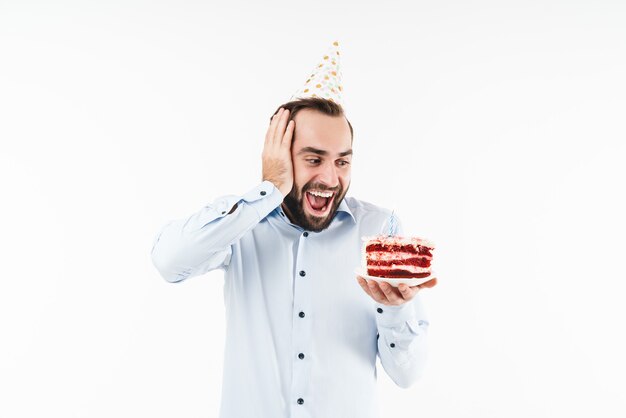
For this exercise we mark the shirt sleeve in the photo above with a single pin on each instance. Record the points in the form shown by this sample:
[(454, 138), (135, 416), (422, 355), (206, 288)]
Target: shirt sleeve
[(203, 241), (402, 332), (402, 340)]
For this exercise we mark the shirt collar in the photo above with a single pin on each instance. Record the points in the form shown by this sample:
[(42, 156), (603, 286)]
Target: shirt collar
[(343, 207)]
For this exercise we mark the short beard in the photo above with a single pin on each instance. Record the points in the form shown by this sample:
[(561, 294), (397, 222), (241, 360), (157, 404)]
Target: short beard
[(294, 203)]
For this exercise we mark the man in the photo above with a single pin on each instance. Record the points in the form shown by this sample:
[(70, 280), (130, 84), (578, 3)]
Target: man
[(301, 338)]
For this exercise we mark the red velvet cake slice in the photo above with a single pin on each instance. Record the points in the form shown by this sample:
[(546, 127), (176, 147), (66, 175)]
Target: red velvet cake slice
[(397, 257)]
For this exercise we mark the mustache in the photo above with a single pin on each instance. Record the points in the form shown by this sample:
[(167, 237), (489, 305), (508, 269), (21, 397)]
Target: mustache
[(321, 188)]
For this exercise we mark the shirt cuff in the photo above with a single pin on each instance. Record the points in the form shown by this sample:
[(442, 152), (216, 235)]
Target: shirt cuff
[(394, 316), (264, 198)]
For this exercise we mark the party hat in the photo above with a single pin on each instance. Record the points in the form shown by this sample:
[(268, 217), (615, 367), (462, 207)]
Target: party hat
[(325, 80)]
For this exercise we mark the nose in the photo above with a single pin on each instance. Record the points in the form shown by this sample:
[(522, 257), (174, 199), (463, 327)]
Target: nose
[(328, 175)]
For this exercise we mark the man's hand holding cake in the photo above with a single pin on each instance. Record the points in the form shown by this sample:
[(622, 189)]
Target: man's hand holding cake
[(392, 296)]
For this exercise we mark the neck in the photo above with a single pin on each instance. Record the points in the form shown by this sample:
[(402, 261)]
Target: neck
[(287, 212)]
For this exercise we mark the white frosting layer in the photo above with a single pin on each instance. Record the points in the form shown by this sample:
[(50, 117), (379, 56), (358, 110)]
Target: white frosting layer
[(398, 240), (386, 256), (409, 268)]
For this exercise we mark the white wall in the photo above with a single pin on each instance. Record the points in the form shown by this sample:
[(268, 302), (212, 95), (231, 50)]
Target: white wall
[(494, 128)]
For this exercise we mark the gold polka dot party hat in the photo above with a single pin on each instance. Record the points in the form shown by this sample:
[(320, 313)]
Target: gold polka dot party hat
[(325, 80)]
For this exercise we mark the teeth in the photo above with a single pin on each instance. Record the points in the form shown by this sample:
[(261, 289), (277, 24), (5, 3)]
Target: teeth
[(320, 194)]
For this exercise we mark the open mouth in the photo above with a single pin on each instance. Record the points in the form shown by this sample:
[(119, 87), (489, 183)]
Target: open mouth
[(319, 202)]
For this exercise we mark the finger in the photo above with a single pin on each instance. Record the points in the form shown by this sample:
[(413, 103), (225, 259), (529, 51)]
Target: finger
[(272, 129), (279, 133), (407, 292), (390, 293), (364, 285), (269, 129), (377, 294), (428, 284), (289, 134)]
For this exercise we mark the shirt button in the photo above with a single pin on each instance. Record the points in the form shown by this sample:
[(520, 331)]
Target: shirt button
[(223, 212), (301, 314), (302, 273), (379, 310), (263, 193), (306, 234), (301, 356), (392, 345), (300, 401)]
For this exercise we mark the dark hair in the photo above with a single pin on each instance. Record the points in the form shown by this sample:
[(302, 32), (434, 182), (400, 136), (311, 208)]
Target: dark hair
[(327, 107)]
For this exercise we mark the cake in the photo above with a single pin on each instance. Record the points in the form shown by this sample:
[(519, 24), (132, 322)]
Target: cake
[(397, 257)]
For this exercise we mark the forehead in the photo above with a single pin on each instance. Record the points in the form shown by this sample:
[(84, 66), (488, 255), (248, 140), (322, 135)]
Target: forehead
[(315, 129)]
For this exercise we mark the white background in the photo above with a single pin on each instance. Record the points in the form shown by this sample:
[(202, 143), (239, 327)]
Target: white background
[(496, 129)]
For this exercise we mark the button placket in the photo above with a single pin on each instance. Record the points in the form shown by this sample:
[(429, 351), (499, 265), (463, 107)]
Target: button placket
[(301, 327)]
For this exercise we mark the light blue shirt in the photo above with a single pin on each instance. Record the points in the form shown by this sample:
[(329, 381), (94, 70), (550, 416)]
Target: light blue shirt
[(301, 335)]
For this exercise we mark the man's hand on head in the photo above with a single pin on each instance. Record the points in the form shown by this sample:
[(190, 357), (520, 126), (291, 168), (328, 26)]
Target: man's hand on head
[(386, 294), (277, 164)]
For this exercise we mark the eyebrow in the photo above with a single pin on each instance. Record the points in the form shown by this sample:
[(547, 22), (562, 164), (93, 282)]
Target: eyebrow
[(321, 152)]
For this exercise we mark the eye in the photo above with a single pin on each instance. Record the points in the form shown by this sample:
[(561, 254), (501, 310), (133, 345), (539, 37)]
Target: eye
[(313, 160), (343, 163)]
